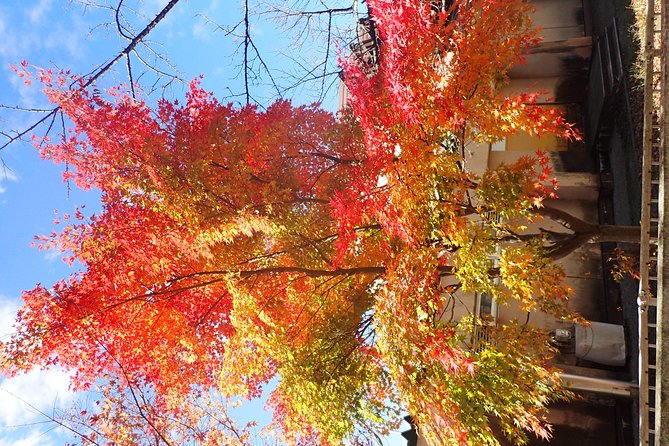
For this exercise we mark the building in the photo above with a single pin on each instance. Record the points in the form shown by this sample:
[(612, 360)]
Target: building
[(581, 69)]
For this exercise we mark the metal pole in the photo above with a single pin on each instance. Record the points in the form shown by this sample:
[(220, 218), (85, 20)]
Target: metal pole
[(600, 385), (662, 376)]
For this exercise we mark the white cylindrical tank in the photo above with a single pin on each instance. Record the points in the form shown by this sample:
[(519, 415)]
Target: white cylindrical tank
[(601, 343)]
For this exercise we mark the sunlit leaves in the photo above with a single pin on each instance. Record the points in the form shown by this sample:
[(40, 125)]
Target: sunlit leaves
[(241, 248)]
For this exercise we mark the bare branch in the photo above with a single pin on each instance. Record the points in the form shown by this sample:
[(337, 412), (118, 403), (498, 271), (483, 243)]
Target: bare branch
[(247, 38), (264, 65), (133, 43), (132, 82), (25, 109), (159, 72), (98, 73), (21, 134), (287, 12), (52, 418), (122, 30)]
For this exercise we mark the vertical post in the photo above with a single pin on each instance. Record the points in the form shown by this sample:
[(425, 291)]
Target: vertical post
[(662, 379), (646, 395)]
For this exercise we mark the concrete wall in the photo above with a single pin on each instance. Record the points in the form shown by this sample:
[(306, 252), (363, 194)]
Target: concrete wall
[(559, 19), (555, 66), (582, 267)]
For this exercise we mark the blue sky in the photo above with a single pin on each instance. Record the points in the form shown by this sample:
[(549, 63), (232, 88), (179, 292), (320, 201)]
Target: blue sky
[(69, 35)]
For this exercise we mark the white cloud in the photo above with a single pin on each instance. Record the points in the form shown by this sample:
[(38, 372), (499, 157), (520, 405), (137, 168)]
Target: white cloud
[(24, 396), (256, 30), (213, 5), (69, 38), (8, 308), (6, 175), (219, 72), (201, 30), (31, 438), (29, 96), (52, 254), (39, 11), (64, 38), (9, 43)]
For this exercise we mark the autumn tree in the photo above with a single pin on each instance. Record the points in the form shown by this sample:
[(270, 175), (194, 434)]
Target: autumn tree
[(313, 31), (239, 246)]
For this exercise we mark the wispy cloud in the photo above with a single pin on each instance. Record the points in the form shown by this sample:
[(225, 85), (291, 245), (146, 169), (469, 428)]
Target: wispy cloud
[(8, 308), (37, 13), (69, 38), (213, 5), (43, 30), (202, 30), (26, 398), (52, 254), (6, 175), (31, 438), (8, 47)]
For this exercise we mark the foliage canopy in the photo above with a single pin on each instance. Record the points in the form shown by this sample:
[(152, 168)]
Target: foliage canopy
[(240, 246)]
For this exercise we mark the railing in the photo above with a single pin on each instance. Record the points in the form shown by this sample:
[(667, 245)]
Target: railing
[(481, 337), (606, 75), (366, 46), (651, 216)]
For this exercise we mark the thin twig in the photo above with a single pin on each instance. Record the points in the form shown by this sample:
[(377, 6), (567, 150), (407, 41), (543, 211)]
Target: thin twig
[(247, 38), (51, 418), (99, 73)]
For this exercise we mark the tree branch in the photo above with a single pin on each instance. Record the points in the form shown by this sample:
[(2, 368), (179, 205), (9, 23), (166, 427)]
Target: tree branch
[(52, 418), (247, 38), (100, 72), (565, 219)]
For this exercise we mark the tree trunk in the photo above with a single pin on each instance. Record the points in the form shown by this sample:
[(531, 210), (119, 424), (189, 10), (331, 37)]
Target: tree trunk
[(597, 234), (623, 234)]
